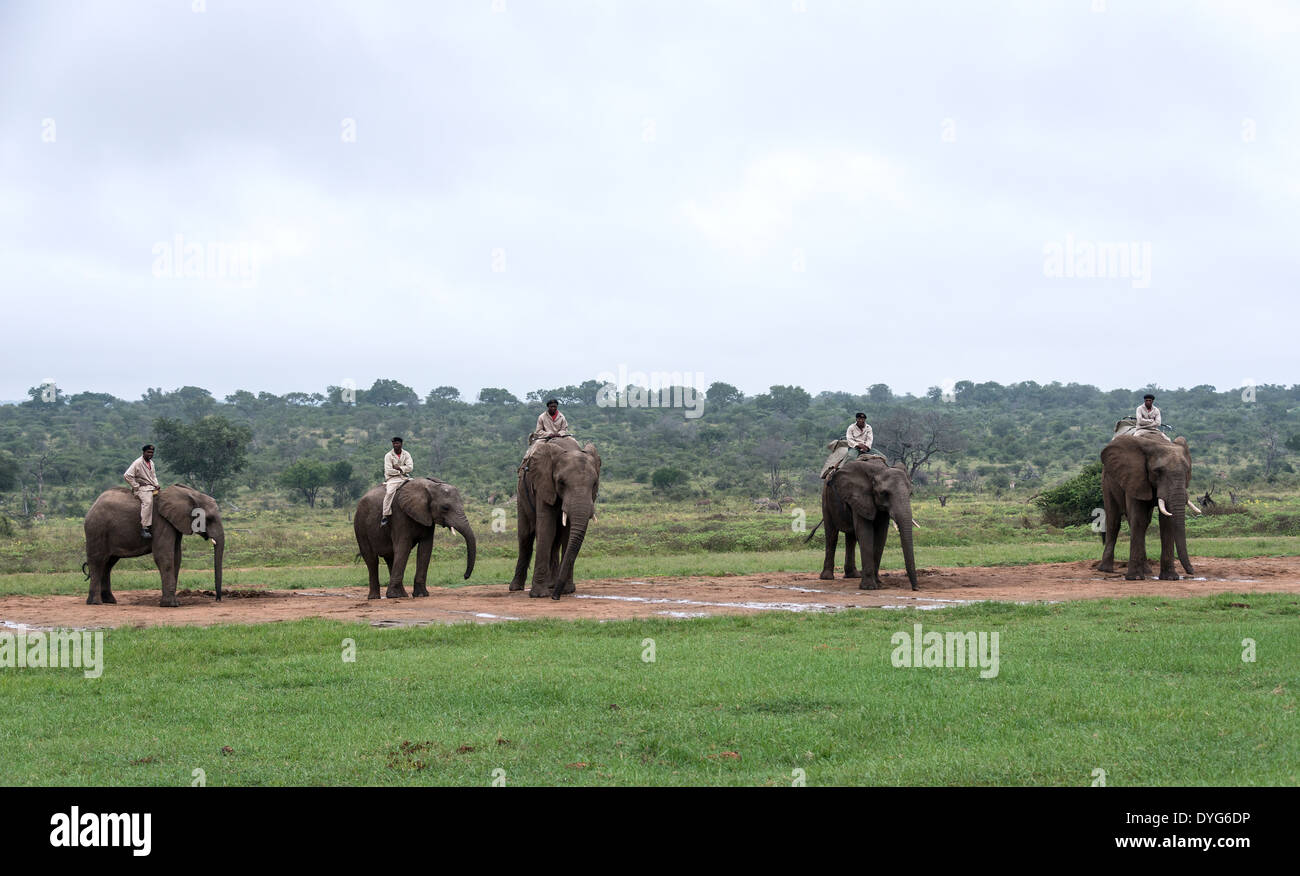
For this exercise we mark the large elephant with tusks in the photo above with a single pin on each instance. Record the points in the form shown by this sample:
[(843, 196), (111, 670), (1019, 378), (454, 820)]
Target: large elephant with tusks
[(1138, 475), (556, 500)]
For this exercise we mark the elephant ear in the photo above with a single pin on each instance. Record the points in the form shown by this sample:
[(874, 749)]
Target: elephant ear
[(857, 495), (1125, 460), (590, 450), (1187, 454), (541, 471), (176, 503), (413, 498)]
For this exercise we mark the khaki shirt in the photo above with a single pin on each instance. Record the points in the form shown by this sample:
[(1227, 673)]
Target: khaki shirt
[(858, 436), (141, 475), (1148, 419), (547, 426), (397, 466)]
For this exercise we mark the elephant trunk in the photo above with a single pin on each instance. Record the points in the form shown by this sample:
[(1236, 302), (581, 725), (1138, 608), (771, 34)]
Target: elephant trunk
[(461, 525), (903, 520), (579, 514), (1174, 505), (218, 555)]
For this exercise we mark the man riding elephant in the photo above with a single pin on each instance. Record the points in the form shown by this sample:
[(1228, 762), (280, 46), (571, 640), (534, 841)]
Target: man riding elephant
[(550, 424), (397, 471), (859, 436), (1148, 418), (143, 480)]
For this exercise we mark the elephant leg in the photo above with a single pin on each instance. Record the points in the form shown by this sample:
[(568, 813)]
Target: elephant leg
[(542, 569), (372, 573), (879, 532), (1139, 518), (832, 542), (397, 568), (1113, 515), (166, 555), (867, 545), (1167, 571), (527, 535), (106, 584), (851, 553), (423, 551), (96, 567)]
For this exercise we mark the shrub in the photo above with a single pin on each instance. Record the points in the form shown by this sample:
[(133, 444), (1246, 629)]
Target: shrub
[(667, 478), (1071, 503)]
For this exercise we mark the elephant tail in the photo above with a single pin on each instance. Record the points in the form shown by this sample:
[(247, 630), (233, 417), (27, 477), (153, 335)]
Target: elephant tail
[(814, 531), (85, 569)]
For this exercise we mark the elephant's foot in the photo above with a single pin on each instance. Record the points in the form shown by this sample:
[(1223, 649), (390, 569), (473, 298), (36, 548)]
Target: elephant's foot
[(1106, 566), (108, 597), (868, 584), (538, 592), (1168, 576), (516, 585), (852, 573), (827, 575), (555, 594), (1131, 577), (568, 588), (914, 587), (421, 590), (94, 600), (374, 592), (169, 602), (398, 592), (1188, 569)]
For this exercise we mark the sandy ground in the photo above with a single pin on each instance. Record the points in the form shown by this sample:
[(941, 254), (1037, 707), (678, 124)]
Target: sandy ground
[(689, 597)]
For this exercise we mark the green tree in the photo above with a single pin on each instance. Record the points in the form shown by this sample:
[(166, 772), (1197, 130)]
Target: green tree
[(8, 473), (389, 393), (720, 393), (305, 477), (1072, 503), (789, 400), (492, 395), (208, 451), (443, 394), (346, 487), (667, 478)]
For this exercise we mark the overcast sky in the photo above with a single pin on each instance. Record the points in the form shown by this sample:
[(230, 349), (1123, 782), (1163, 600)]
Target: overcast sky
[(525, 193)]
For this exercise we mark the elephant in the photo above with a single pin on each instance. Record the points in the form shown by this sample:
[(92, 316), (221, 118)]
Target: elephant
[(556, 500), (859, 499), (113, 532), (1139, 474), (419, 506)]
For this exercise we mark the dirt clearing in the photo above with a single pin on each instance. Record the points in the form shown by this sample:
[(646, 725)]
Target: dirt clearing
[(689, 597)]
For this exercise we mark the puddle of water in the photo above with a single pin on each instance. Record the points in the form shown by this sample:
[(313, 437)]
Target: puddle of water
[(755, 606), (30, 628), (684, 613), (799, 589)]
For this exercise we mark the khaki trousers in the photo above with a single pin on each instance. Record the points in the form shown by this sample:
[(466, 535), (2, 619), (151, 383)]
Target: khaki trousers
[(146, 506), (390, 487)]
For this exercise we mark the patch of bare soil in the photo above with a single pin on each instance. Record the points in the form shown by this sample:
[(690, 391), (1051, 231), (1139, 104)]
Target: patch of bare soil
[(617, 599)]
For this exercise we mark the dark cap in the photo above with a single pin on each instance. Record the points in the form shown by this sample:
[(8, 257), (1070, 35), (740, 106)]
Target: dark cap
[(552, 401), (1148, 396), (146, 447), (860, 414), (397, 440)]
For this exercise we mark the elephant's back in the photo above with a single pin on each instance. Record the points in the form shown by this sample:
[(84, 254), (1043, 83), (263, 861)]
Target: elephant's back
[(111, 501)]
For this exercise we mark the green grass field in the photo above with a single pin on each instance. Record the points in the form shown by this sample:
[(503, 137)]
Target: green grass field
[(1155, 692)]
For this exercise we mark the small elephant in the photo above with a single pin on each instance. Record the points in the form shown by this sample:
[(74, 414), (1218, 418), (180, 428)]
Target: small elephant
[(419, 506), (113, 532), (557, 499), (1138, 475), (859, 499)]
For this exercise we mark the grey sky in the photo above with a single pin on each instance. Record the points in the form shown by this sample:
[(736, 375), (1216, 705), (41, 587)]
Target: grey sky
[(855, 193)]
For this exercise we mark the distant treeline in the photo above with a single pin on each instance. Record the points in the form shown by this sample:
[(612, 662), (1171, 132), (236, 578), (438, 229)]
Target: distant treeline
[(57, 452)]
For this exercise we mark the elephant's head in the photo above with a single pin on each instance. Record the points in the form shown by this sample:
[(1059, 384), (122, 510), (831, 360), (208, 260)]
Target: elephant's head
[(430, 502), (568, 478), (190, 512), (870, 488), (1150, 469)]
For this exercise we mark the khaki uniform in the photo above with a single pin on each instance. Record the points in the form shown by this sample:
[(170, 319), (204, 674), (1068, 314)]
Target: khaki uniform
[(397, 469), (856, 436), (144, 484), (546, 427), (1148, 422)]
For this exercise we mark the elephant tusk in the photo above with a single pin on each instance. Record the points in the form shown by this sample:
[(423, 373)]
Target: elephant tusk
[(914, 523), (1163, 510), (213, 541), (1192, 505), (564, 518), (593, 518)]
